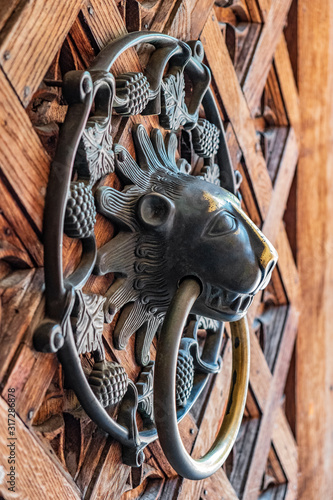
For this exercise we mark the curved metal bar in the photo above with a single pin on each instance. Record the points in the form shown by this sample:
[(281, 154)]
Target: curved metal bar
[(57, 192), (80, 88), (89, 251), (75, 377), (113, 50), (164, 389)]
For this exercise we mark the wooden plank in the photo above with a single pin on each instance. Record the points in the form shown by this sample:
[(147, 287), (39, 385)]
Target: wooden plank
[(18, 224), (273, 400), (36, 33), (237, 110), (162, 15), (23, 161), (287, 84), (314, 400), (37, 474), (179, 21), (21, 294), (263, 56), (31, 376), (217, 487), (286, 449), (281, 187), (6, 10), (287, 267), (201, 10), (112, 477)]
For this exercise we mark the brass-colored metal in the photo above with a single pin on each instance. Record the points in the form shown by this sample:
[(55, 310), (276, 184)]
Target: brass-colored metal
[(164, 392)]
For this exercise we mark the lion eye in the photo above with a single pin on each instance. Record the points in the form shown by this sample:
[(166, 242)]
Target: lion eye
[(223, 223)]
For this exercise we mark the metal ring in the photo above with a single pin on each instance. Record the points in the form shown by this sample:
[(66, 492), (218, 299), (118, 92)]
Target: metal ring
[(165, 383)]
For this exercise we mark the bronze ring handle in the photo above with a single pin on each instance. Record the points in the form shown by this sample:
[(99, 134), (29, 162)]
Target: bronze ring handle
[(165, 383)]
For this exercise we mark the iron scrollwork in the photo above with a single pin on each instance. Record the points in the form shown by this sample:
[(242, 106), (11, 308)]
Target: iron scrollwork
[(174, 230)]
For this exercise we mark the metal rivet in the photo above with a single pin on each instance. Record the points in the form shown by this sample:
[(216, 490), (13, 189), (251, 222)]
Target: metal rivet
[(90, 10), (30, 414), (146, 26), (6, 55), (8, 231), (205, 492), (26, 91), (86, 84), (121, 155), (191, 431), (213, 18)]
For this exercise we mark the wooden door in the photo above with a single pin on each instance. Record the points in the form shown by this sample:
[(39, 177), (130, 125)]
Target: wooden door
[(60, 452)]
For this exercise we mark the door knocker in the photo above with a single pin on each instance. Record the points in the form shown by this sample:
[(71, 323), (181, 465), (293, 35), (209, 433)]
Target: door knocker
[(184, 249)]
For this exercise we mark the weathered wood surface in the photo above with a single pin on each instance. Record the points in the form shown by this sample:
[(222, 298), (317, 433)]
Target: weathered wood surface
[(267, 127), (315, 229)]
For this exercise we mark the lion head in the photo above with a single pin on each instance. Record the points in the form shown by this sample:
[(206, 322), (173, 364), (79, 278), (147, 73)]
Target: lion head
[(173, 225)]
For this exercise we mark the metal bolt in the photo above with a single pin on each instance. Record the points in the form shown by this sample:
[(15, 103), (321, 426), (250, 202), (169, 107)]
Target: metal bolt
[(191, 431), (141, 457), (90, 10), (30, 414), (205, 492), (26, 92), (6, 55), (146, 26), (121, 155), (86, 85)]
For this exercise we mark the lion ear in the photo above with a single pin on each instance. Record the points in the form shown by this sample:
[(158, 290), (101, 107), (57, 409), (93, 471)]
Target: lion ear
[(155, 210)]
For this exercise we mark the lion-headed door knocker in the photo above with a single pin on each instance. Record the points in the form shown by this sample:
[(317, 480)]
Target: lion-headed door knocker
[(183, 247)]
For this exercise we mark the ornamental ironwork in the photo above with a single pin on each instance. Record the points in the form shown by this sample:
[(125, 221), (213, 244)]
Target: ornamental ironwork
[(185, 254)]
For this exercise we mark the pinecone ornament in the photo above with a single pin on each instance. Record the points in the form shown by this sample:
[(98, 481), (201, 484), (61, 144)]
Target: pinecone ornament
[(184, 377), (109, 382), (80, 216), (133, 88), (206, 138)]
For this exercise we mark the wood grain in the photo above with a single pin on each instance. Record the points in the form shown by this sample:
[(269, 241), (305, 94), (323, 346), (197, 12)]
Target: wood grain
[(36, 32), (237, 110), (263, 56), (37, 473), (24, 162), (314, 233), (244, 43)]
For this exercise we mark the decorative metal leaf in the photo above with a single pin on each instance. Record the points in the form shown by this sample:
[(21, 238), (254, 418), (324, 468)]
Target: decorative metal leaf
[(95, 157), (174, 110), (87, 321)]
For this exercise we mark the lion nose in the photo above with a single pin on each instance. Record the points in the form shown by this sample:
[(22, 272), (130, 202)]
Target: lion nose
[(267, 262)]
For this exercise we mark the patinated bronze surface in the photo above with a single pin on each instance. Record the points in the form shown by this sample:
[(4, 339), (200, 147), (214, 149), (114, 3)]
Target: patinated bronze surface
[(174, 229)]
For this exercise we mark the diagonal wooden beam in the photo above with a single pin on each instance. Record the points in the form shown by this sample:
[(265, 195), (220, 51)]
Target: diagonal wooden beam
[(263, 56), (24, 167), (286, 448), (36, 32), (33, 461), (237, 110), (269, 403), (287, 84), (282, 187)]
